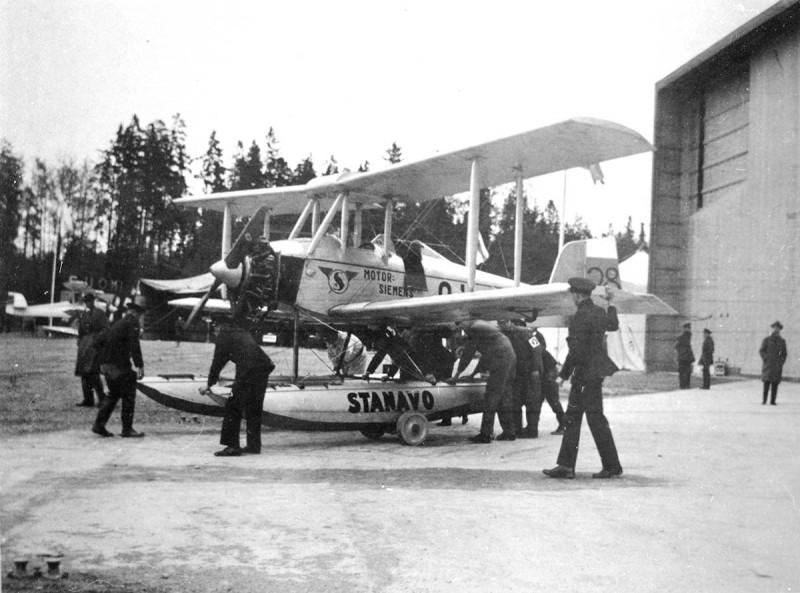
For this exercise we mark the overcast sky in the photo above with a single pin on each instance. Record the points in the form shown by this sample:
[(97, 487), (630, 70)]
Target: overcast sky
[(347, 78)]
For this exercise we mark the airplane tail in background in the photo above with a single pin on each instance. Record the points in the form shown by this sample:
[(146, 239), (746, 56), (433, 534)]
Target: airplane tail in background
[(595, 259)]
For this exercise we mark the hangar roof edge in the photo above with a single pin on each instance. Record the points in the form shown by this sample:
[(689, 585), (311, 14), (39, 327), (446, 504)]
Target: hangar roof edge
[(733, 39)]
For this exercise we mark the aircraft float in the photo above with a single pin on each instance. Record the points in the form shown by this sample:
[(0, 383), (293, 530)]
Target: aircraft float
[(345, 282)]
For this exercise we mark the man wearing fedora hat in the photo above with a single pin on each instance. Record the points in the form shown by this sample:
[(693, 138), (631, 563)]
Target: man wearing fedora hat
[(120, 346), (91, 325), (773, 354), (588, 365)]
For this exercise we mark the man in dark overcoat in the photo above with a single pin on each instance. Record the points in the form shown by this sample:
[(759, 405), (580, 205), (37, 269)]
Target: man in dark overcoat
[(683, 347), (253, 367), (118, 348), (92, 323), (773, 354), (707, 357), (587, 364)]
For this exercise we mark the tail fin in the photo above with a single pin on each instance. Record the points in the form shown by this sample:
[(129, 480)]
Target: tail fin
[(595, 259)]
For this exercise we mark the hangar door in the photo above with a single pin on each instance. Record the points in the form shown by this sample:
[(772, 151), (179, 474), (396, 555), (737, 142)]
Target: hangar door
[(723, 142)]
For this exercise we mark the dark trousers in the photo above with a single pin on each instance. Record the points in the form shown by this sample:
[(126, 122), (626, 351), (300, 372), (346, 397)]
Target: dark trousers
[(91, 383), (527, 394), (770, 389), (246, 401), (498, 399), (549, 393), (586, 397), (706, 376), (122, 388), (685, 375)]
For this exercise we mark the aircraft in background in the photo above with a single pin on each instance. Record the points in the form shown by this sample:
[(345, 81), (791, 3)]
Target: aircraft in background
[(68, 311), (340, 280)]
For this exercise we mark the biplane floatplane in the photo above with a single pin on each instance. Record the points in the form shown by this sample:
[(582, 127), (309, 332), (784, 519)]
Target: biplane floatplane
[(350, 283)]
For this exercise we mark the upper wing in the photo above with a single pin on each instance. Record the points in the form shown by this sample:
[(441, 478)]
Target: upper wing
[(552, 301), (577, 142)]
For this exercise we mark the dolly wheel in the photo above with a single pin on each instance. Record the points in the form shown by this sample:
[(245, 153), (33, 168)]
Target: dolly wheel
[(412, 428), (374, 432)]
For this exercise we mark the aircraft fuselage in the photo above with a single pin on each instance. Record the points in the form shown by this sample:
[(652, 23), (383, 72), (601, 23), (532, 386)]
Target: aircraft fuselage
[(334, 276)]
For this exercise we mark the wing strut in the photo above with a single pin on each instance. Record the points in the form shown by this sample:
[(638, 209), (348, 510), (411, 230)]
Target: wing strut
[(326, 222), (298, 226), (472, 224), (388, 212), (227, 231), (518, 229), (344, 225)]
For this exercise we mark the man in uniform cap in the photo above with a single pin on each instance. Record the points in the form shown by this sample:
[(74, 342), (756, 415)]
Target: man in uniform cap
[(587, 364), (91, 325), (707, 358), (121, 345)]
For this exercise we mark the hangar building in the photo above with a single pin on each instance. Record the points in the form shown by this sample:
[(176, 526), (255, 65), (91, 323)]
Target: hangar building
[(725, 229)]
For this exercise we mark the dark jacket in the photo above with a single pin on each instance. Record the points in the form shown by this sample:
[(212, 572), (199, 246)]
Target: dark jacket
[(707, 356), (587, 358), (238, 346), (431, 356), (92, 324), (121, 344), (684, 347), (523, 350), (495, 348), (773, 352)]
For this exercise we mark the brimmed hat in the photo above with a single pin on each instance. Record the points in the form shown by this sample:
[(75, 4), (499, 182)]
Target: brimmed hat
[(88, 296), (777, 324), (687, 324), (706, 330), (581, 285), (135, 307)]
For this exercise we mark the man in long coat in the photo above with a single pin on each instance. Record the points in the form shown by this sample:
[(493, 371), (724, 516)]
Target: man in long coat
[(773, 354), (92, 324), (707, 357), (119, 347), (683, 347)]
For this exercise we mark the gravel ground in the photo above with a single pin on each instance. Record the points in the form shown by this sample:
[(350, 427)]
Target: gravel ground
[(707, 501)]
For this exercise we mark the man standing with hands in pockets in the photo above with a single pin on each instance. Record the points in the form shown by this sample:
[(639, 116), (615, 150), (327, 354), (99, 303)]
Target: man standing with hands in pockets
[(587, 364)]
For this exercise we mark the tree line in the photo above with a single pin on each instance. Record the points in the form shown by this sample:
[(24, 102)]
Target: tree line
[(116, 218)]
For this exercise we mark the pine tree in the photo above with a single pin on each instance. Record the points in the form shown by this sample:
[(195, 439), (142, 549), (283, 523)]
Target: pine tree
[(277, 171), (11, 169), (213, 169), (333, 167), (393, 154)]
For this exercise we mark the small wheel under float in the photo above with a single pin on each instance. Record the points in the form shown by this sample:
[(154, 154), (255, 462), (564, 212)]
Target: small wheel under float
[(374, 432), (412, 428)]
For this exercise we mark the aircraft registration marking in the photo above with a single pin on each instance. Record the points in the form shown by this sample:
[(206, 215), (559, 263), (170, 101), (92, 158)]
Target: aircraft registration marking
[(388, 401)]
